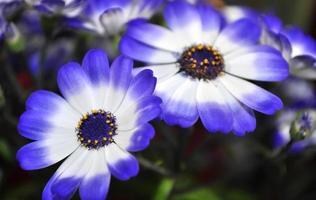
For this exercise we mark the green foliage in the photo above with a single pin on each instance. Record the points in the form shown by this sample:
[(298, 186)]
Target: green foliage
[(164, 189), (203, 193)]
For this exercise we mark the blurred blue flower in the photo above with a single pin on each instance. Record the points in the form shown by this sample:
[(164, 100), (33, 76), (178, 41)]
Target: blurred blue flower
[(201, 64), (298, 91), (42, 57), (3, 25), (296, 127), (7, 7), (56, 54), (110, 16), (30, 24), (29, 28), (68, 8), (298, 48), (104, 114)]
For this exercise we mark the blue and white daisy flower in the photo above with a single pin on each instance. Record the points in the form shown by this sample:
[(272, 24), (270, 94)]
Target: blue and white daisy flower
[(303, 62), (302, 44), (298, 48), (201, 65), (297, 127), (104, 114), (108, 17), (68, 8)]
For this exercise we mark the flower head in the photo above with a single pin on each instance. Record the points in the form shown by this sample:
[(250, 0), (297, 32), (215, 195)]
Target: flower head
[(68, 8), (201, 64), (298, 48), (7, 7), (298, 126), (110, 16), (104, 114)]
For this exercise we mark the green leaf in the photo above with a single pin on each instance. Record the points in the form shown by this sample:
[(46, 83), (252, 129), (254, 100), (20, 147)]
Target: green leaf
[(164, 189), (203, 193), (237, 195), (16, 44)]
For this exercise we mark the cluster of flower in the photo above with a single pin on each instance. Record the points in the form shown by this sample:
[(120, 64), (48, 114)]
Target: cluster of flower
[(198, 66)]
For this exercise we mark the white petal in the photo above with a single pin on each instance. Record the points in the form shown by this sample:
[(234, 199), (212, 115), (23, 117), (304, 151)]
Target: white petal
[(251, 95), (67, 178), (161, 72), (212, 107)]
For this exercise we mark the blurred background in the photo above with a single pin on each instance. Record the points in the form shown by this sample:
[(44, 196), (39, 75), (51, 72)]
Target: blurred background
[(180, 164)]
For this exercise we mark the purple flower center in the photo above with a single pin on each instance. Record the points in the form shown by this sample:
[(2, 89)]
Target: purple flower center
[(96, 129), (202, 62)]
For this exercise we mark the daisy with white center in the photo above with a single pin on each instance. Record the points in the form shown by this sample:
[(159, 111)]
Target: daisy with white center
[(104, 115), (301, 44), (200, 66), (108, 17)]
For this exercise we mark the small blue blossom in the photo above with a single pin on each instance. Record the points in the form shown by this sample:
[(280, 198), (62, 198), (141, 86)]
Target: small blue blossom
[(298, 126), (298, 91), (6, 8), (103, 116), (201, 63), (41, 59), (305, 122), (68, 8), (56, 54), (109, 17), (298, 48)]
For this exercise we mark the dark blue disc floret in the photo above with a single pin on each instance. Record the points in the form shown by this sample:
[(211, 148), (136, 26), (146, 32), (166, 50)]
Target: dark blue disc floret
[(202, 62), (96, 129)]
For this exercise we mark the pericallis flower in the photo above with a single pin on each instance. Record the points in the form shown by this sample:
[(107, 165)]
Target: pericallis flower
[(55, 55), (68, 8), (270, 24), (6, 8), (298, 48), (298, 126), (104, 114), (108, 17), (201, 65)]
